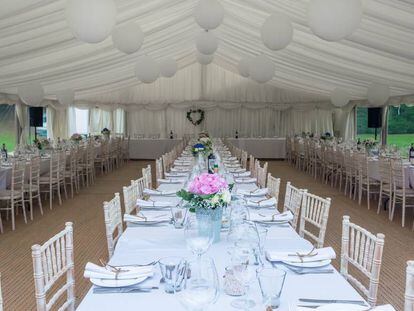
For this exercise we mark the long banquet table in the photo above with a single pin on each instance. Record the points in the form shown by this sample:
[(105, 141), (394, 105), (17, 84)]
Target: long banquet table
[(262, 148), (149, 149), (143, 244)]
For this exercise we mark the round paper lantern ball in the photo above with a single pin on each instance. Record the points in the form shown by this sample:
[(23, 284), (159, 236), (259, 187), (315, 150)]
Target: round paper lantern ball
[(147, 70), (31, 94), (207, 43), (378, 94), (128, 38), (262, 69), (244, 67), (168, 67), (209, 14), (204, 59), (340, 97), (91, 21), (277, 31), (334, 20), (66, 97)]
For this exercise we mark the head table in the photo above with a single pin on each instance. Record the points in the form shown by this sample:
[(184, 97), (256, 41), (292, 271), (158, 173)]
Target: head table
[(144, 244)]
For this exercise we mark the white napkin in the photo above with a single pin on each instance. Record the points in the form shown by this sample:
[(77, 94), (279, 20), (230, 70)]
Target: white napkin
[(320, 254), (231, 159), (171, 181), (259, 192), (262, 203), (158, 192), (142, 203), (247, 180), (270, 216), (241, 174), (176, 174), (232, 165), (237, 170), (145, 217), (182, 163), (180, 169), (378, 308), (187, 159), (98, 272)]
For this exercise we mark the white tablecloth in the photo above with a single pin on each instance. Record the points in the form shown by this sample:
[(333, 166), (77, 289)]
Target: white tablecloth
[(150, 148), (263, 148), (140, 245)]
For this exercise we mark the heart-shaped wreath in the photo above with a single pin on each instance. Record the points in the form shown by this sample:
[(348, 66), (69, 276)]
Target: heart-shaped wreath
[(190, 118)]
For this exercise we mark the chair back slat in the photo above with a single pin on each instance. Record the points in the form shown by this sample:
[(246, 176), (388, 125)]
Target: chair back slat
[(146, 173), (51, 261), (113, 222), (273, 184), (293, 201), (130, 199)]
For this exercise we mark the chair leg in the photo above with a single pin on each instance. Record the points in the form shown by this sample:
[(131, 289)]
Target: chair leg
[(50, 196), (31, 204), (403, 211), (13, 215), (24, 210), (58, 193), (39, 198)]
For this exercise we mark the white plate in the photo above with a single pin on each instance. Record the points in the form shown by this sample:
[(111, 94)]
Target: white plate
[(312, 264), (341, 307), (117, 283)]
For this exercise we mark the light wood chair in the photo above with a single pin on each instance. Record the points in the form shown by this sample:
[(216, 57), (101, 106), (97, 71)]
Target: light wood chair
[(159, 172), (139, 186), (252, 166), (146, 173), (15, 195), (113, 222), (384, 164), (409, 287), (293, 202), (130, 199), (402, 193), (261, 175), (363, 250), (52, 261), (32, 188), (314, 213), (1, 297), (365, 181), (243, 160), (50, 182), (62, 172), (273, 184)]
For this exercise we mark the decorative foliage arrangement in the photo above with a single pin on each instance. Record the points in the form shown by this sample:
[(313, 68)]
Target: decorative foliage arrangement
[(208, 191), (195, 111), (106, 132), (76, 137), (327, 136)]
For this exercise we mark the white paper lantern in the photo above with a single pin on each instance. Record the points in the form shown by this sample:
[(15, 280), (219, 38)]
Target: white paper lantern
[(31, 94), (204, 59), (207, 43), (334, 20), (378, 94), (168, 67), (340, 97), (209, 14), (147, 69), (91, 21), (262, 69), (244, 66), (128, 38), (66, 97), (277, 31)]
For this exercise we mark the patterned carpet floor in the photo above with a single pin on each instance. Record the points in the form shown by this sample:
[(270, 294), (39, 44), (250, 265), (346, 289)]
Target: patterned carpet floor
[(85, 211)]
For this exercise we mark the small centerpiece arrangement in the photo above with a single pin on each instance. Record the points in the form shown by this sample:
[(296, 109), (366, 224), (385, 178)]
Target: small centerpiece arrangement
[(106, 133), (77, 138), (369, 145), (327, 136), (207, 195)]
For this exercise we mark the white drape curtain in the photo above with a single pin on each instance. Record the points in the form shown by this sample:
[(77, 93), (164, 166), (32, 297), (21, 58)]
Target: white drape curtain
[(22, 112), (100, 119), (119, 121), (57, 121)]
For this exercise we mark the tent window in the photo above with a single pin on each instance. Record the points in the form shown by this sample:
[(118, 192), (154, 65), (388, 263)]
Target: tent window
[(82, 121), (401, 127), (8, 129), (42, 131)]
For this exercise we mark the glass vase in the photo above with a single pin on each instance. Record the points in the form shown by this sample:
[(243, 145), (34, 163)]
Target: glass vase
[(214, 216)]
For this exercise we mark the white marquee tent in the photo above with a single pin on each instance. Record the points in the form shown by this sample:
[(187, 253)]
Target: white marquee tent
[(37, 44)]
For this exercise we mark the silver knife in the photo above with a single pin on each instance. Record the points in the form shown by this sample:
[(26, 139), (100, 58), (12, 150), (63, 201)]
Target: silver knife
[(122, 290), (354, 302)]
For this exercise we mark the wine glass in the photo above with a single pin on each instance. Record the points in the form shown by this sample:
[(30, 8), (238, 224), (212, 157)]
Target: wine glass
[(201, 287), (198, 235)]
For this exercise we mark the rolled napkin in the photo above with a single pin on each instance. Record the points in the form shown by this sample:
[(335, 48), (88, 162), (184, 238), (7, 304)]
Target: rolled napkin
[(176, 174), (158, 192), (180, 169), (185, 159), (230, 159), (237, 170), (317, 254), (259, 192), (145, 217), (93, 271), (271, 216), (247, 180), (143, 203), (232, 165), (262, 203), (171, 181), (242, 174), (182, 163)]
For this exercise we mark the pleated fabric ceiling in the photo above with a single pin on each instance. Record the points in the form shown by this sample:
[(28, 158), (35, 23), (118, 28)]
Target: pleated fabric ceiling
[(36, 44)]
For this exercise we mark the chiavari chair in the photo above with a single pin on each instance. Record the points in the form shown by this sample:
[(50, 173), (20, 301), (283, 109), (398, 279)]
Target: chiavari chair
[(365, 181), (409, 287), (146, 173), (130, 198), (293, 202), (32, 188), (1, 297), (50, 182), (384, 165), (273, 184), (159, 172), (113, 222)]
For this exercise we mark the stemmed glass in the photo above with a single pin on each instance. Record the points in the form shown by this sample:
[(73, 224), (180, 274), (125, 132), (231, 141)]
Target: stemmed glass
[(198, 235), (200, 289)]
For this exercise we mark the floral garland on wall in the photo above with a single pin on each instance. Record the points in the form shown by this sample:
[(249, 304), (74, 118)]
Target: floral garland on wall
[(190, 118)]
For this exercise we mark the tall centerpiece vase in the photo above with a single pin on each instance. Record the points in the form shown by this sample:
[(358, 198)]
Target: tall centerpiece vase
[(212, 216)]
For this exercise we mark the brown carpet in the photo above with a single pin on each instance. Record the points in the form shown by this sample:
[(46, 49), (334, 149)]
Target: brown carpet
[(85, 211)]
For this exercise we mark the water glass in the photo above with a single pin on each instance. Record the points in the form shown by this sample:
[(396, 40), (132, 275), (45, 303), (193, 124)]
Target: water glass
[(179, 215), (271, 281), (198, 235), (172, 271), (201, 286)]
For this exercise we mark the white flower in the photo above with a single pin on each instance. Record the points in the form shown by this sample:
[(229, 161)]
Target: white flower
[(226, 197), (215, 199)]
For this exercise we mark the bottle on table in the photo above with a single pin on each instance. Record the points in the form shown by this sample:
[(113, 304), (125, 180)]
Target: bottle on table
[(237, 135), (171, 135), (211, 163), (411, 154), (4, 152)]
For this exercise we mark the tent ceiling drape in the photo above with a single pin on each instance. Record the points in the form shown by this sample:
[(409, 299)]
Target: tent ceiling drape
[(36, 44)]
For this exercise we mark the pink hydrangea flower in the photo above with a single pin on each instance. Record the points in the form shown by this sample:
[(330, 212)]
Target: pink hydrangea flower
[(206, 184)]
